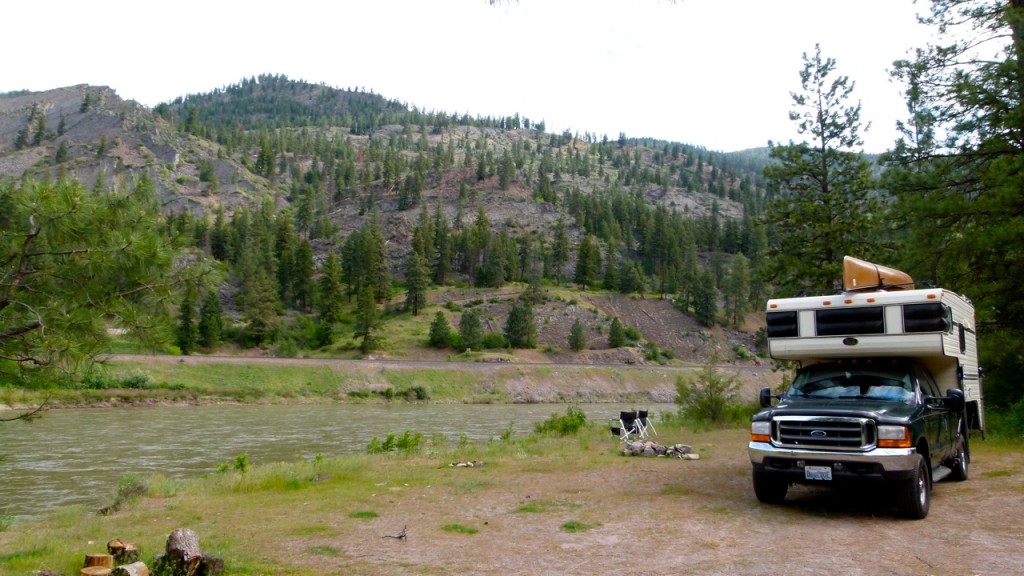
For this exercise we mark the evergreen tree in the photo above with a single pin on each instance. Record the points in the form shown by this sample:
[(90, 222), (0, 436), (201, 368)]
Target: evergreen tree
[(520, 327), (303, 284), (824, 186), (332, 291), (187, 332), (577, 336), (211, 321), (957, 174), (367, 319), (440, 331), (441, 262), (586, 266), (705, 306), (736, 289), (559, 250), (616, 334), (74, 265), (416, 283), (471, 332)]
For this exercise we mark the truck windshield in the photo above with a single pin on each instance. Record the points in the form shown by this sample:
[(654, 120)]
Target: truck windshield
[(832, 381)]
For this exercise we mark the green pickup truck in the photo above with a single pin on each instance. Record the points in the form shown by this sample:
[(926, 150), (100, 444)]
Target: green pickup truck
[(882, 421), (887, 390)]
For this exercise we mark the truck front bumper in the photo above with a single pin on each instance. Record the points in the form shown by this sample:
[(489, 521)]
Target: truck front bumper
[(878, 465)]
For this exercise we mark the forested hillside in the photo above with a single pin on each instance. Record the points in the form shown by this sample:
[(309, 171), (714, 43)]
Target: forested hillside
[(331, 213)]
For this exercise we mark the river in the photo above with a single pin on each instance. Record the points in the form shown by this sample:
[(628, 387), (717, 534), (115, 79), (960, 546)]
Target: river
[(77, 456)]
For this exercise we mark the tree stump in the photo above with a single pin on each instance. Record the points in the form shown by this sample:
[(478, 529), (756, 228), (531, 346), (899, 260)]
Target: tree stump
[(123, 552), (101, 560), (95, 571), (183, 553), (133, 569)]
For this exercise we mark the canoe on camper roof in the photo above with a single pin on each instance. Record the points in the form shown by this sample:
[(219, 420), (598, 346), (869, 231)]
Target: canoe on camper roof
[(861, 275)]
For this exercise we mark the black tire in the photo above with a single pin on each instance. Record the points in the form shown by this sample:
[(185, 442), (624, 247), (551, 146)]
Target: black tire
[(960, 463), (768, 489), (915, 494)]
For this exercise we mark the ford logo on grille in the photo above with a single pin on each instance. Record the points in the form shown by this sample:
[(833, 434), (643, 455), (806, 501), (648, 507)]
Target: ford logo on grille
[(819, 433)]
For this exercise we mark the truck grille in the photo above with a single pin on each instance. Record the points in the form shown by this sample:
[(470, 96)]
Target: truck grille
[(824, 433)]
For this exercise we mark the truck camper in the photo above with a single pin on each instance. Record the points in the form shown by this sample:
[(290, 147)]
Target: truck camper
[(886, 391)]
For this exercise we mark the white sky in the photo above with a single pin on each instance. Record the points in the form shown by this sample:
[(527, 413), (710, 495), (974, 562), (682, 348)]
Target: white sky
[(713, 73)]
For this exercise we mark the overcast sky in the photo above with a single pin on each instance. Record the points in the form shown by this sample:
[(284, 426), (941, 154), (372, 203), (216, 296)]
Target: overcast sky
[(712, 73)]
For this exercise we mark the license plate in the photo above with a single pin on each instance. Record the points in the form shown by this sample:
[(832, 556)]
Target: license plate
[(818, 472)]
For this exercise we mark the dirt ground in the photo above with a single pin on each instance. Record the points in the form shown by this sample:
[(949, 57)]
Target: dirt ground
[(670, 516)]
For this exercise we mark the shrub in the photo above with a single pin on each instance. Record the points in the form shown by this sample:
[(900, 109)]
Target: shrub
[(571, 422), (493, 341), (708, 397), (407, 442)]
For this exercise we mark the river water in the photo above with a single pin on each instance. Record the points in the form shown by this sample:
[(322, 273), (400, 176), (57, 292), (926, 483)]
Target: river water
[(77, 456)]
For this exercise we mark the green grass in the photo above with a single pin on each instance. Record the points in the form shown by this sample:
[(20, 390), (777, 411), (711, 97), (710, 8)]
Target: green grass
[(459, 529), (574, 526), (363, 514)]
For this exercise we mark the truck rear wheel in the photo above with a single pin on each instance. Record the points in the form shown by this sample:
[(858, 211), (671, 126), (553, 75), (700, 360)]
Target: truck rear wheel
[(768, 489), (961, 458), (915, 496)]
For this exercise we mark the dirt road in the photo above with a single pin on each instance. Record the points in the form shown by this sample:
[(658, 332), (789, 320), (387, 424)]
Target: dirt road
[(662, 516)]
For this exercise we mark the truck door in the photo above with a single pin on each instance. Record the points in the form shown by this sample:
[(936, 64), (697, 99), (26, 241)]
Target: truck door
[(938, 429)]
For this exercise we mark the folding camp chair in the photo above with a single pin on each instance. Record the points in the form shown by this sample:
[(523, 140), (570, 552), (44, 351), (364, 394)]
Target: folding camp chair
[(627, 426), (645, 424)]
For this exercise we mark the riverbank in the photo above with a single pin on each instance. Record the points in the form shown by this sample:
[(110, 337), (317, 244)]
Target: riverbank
[(538, 504), (163, 380)]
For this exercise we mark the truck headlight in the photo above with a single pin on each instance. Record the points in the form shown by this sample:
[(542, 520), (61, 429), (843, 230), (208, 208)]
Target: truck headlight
[(761, 431), (894, 437)]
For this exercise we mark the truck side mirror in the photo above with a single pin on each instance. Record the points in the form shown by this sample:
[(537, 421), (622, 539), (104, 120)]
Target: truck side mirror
[(765, 397), (955, 399)]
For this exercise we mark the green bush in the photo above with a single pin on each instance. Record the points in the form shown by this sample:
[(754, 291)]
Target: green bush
[(493, 341), (711, 396), (407, 442), (571, 422)]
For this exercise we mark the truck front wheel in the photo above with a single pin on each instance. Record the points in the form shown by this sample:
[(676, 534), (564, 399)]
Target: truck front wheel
[(768, 489), (914, 496)]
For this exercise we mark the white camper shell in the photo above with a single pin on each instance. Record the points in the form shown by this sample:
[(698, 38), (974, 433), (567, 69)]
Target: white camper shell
[(882, 319)]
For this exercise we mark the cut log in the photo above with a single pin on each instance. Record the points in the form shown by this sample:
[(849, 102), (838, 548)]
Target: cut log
[(133, 569), (103, 560), (95, 571), (183, 553), (126, 553), (211, 566), (115, 546)]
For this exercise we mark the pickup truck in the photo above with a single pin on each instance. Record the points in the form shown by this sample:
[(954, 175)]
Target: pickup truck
[(857, 421), (887, 389)]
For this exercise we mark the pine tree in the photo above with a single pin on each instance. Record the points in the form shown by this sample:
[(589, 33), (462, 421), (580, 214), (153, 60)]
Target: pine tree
[(187, 332), (440, 331), (737, 289), (577, 336), (616, 334), (331, 293), (520, 327), (367, 319), (957, 174), (211, 321), (705, 307), (303, 285), (416, 283), (826, 198), (559, 250), (471, 331), (586, 267)]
